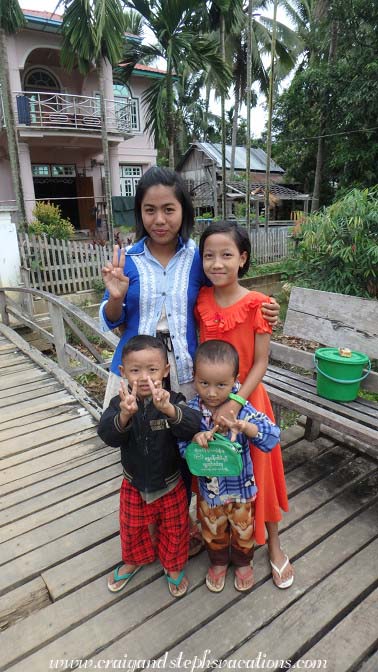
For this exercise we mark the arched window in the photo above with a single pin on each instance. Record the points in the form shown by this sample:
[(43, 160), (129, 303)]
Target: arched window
[(39, 79), (122, 93)]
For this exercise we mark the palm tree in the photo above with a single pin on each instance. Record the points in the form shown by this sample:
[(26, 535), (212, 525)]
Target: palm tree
[(176, 25), (11, 20), (92, 32)]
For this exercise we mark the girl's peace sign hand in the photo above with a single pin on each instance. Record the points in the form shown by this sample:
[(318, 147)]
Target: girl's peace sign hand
[(203, 438), (116, 282), (128, 404), (160, 397)]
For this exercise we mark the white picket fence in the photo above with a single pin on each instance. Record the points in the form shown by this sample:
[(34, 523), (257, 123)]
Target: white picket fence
[(61, 266)]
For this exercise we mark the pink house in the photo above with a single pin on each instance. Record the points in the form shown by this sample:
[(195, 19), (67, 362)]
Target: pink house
[(59, 127)]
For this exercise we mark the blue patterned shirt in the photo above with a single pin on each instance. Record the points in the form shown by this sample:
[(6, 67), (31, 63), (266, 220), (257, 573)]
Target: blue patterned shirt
[(242, 488), (151, 287)]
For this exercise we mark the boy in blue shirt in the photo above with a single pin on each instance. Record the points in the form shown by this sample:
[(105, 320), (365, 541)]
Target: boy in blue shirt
[(226, 504)]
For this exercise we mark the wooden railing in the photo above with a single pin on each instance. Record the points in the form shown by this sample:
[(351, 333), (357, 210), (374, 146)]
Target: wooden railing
[(63, 315), (61, 266)]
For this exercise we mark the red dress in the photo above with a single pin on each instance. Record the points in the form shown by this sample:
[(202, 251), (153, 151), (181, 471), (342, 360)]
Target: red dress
[(238, 324)]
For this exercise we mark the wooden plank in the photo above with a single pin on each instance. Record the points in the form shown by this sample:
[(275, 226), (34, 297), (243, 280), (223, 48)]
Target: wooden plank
[(333, 319), (72, 386), (296, 538), (350, 641), (65, 426), (301, 451), (31, 564), (102, 484), (40, 389), (81, 450), (326, 489), (92, 601), (23, 601), (56, 487), (169, 628), (285, 638), (306, 384), (371, 664), (308, 393), (31, 406), (33, 421), (322, 415), (316, 469), (59, 452)]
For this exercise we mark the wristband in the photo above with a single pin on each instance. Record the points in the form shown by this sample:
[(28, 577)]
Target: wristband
[(238, 398)]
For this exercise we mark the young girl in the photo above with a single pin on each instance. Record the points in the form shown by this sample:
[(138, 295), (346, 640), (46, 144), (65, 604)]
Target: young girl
[(230, 312)]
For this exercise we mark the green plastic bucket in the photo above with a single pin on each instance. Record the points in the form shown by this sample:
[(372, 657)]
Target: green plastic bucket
[(339, 376)]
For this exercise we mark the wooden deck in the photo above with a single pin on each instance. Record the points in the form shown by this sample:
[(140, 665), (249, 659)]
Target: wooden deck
[(58, 539)]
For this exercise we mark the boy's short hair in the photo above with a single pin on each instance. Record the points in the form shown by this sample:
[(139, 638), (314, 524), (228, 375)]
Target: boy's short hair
[(215, 351), (144, 342)]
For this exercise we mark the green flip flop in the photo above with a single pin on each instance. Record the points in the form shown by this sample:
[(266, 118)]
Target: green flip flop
[(176, 582), (125, 578)]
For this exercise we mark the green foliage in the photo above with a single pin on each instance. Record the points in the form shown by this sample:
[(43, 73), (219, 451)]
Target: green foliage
[(98, 287), (339, 249), (49, 221), (333, 93)]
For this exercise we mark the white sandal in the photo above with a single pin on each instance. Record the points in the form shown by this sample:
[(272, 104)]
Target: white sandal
[(288, 582)]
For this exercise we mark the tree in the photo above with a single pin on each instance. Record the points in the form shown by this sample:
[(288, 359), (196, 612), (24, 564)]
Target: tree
[(11, 20), (176, 25), (336, 100), (92, 32)]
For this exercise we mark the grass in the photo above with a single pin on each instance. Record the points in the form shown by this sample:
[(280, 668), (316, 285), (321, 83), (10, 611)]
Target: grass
[(256, 270)]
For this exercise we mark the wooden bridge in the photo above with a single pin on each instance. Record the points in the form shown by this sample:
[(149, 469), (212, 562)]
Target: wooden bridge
[(59, 539)]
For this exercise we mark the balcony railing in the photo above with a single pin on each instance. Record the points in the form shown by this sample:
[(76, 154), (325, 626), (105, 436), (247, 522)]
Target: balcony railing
[(64, 110)]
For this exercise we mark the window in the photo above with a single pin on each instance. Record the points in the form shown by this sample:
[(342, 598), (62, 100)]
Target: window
[(63, 170), (46, 170), (121, 94), (40, 80), (129, 177), (40, 170)]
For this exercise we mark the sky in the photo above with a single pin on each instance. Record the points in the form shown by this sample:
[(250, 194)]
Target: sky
[(258, 114)]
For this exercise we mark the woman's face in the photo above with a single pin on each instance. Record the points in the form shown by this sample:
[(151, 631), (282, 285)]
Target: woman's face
[(161, 214)]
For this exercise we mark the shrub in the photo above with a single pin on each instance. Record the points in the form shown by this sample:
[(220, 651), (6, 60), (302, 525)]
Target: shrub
[(339, 248), (49, 221)]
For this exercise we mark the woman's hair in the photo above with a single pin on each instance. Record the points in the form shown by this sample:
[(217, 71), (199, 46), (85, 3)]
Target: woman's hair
[(215, 351), (238, 234), (168, 178)]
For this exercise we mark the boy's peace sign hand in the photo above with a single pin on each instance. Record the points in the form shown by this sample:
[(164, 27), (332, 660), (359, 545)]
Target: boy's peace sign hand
[(128, 405), (116, 282), (160, 397), (236, 426), (203, 438)]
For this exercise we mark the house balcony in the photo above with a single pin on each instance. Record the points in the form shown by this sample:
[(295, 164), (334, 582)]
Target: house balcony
[(45, 111)]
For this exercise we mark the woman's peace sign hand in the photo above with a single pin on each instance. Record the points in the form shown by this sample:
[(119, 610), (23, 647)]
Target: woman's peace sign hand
[(116, 282)]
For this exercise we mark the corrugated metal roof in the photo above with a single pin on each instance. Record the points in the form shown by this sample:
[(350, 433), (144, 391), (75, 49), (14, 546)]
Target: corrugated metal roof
[(258, 157)]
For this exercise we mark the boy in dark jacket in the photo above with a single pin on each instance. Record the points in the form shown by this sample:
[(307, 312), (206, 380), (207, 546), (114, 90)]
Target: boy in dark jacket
[(145, 421)]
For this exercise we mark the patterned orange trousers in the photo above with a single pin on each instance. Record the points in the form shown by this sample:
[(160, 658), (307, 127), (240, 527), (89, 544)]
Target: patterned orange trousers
[(228, 532)]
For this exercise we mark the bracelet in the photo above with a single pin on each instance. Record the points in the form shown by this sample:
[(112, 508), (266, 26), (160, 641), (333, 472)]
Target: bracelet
[(238, 398)]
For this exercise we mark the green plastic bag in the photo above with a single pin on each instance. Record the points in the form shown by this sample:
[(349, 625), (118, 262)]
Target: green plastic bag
[(221, 458)]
